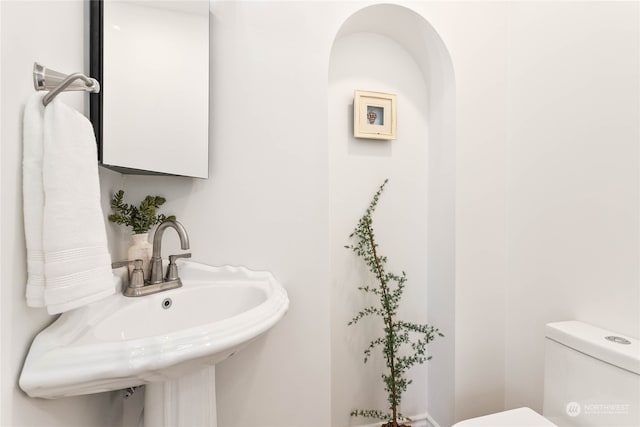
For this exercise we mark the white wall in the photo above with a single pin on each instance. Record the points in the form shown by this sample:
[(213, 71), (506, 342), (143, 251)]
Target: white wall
[(573, 210), (3, 322), (265, 203), (371, 61), (51, 33), (546, 200), (479, 56), (392, 48)]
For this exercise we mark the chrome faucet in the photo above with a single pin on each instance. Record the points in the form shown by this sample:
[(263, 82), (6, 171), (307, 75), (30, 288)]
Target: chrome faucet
[(156, 275), (157, 282)]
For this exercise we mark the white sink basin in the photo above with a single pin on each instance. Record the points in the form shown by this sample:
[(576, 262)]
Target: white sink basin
[(122, 342)]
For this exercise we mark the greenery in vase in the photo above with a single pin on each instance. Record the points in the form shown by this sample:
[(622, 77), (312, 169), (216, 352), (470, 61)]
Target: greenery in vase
[(403, 343), (139, 218)]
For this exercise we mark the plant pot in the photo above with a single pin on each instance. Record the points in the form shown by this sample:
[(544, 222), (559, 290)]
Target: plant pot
[(140, 249), (400, 424)]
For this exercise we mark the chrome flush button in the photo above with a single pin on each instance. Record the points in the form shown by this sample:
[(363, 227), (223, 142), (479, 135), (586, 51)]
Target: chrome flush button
[(618, 340)]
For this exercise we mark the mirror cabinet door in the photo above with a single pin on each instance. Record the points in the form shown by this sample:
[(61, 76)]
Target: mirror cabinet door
[(151, 58)]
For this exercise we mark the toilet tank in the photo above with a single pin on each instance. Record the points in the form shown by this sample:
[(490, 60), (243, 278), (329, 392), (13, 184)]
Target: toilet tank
[(592, 376)]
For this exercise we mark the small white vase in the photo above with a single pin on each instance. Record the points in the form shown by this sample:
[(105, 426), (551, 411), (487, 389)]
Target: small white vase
[(140, 249)]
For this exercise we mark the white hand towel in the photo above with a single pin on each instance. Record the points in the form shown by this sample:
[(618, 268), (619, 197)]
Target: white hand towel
[(33, 197), (77, 263)]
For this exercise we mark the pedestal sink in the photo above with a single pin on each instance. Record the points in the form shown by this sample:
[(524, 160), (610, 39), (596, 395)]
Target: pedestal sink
[(170, 340)]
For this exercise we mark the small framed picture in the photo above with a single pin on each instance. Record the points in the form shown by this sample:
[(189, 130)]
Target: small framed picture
[(374, 115)]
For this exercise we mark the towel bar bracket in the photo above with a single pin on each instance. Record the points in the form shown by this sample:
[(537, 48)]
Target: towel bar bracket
[(56, 82)]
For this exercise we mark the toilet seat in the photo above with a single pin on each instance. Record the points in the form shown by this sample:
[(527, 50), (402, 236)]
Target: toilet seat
[(521, 417)]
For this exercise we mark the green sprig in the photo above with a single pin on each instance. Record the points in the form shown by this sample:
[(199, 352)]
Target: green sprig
[(139, 218)]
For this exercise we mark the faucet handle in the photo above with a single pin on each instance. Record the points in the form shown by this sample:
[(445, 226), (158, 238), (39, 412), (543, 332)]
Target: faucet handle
[(137, 264), (172, 268), (136, 280), (173, 258)]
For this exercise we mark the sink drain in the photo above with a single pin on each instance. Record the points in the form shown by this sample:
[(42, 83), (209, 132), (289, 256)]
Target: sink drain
[(166, 303)]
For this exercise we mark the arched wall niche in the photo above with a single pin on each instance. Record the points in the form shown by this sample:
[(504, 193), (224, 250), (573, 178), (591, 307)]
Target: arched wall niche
[(391, 48)]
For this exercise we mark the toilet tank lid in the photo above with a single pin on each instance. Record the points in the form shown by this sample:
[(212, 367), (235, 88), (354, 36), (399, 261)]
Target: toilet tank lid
[(621, 351)]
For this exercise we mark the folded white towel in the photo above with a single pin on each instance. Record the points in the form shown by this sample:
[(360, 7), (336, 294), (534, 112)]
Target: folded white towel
[(77, 268), (33, 197)]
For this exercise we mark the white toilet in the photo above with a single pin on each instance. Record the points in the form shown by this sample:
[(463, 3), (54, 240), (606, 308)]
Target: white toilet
[(592, 378)]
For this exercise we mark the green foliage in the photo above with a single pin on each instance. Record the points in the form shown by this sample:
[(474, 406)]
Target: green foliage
[(399, 336), (139, 218)]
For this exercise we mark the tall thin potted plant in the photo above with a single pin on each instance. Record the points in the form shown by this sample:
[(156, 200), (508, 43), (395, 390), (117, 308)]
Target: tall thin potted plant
[(403, 343)]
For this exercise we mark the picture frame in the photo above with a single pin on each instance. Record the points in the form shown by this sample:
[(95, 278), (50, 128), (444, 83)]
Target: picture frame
[(374, 115)]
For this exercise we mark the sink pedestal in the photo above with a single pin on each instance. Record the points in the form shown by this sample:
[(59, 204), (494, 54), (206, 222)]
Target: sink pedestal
[(187, 401)]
